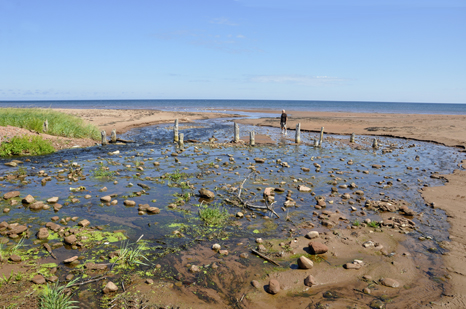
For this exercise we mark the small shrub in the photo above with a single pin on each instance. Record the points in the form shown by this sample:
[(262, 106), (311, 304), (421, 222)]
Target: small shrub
[(26, 145)]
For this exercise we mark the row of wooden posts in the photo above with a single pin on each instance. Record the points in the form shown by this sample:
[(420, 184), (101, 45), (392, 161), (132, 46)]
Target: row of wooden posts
[(179, 137)]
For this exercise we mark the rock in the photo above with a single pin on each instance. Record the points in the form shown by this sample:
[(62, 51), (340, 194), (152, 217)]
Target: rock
[(216, 247), (261, 248), (106, 199), (305, 263), (93, 266), (352, 265), (194, 269), (390, 282), (312, 234), (15, 258), (223, 252), (36, 206), (70, 240), (149, 281), (84, 223), (239, 214), (43, 233), (110, 287), (305, 169), (302, 188), (310, 281), (268, 191), (38, 279), (53, 226), (71, 259), (273, 287), (69, 277), (289, 203), (129, 203), (17, 230), (11, 194), (153, 210), (206, 193), (29, 199), (57, 207), (244, 255), (11, 164), (52, 279), (317, 247), (256, 284), (259, 160), (6, 210), (52, 200), (377, 166)]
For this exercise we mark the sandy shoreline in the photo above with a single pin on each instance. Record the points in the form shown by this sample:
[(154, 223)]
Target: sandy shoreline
[(448, 130)]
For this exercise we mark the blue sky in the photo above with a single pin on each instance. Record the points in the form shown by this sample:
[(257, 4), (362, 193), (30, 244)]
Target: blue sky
[(343, 50)]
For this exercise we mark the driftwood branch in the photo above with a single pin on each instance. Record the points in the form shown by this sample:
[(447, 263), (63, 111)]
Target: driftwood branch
[(88, 281), (249, 205), (264, 257)]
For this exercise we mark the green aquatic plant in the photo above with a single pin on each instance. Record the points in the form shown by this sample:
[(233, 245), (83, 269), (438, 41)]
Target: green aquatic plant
[(213, 215), (373, 224), (54, 297), (132, 254), (26, 145), (102, 171), (356, 222)]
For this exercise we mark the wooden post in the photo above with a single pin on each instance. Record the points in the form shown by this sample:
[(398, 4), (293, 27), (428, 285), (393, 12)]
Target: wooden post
[(252, 138), (375, 144), (352, 138), (297, 138), (175, 131), (46, 126), (104, 137), (321, 136), (113, 137), (316, 143), (236, 140), (181, 140)]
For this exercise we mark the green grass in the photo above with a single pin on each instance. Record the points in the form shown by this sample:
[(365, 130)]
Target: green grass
[(373, 224), (356, 222), (26, 145), (54, 297), (213, 215), (60, 124)]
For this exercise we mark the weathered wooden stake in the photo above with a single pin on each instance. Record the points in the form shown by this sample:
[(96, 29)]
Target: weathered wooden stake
[(104, 137), (252, 138), (297, 138), (236, 140), (181, 140), (321, 136), (113, 136), (375, 144), (46, 125), (352, 138), (316, 143), (175, 131)]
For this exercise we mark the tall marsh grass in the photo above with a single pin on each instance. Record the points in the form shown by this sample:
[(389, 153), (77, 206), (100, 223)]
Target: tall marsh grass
[(60, 124)]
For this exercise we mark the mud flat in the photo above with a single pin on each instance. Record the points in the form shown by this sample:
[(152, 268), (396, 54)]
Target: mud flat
[(376, 242)]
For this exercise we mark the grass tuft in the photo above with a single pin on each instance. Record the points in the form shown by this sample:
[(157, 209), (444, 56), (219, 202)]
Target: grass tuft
[(132, 254), (54, 297)]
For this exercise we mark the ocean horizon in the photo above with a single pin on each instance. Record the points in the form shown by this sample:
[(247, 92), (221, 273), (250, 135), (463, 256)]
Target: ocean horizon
[(222, 105)]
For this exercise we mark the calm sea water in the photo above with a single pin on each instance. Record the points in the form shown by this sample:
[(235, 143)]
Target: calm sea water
[(220, 105)]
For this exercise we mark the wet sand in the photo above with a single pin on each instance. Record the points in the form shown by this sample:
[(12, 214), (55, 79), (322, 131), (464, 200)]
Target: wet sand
[(448, 130)]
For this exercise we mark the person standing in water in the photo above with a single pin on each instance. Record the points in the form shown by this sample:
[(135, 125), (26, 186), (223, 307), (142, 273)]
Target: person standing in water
[(283, 119)]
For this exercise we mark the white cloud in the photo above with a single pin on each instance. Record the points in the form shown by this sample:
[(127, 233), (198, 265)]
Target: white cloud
[(223, 21), (305, 80)]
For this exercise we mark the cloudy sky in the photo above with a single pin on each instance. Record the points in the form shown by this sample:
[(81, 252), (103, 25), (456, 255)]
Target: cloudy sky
[(358, 50)]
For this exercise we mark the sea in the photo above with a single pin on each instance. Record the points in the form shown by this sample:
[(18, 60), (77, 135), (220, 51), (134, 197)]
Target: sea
[(226, 105)]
